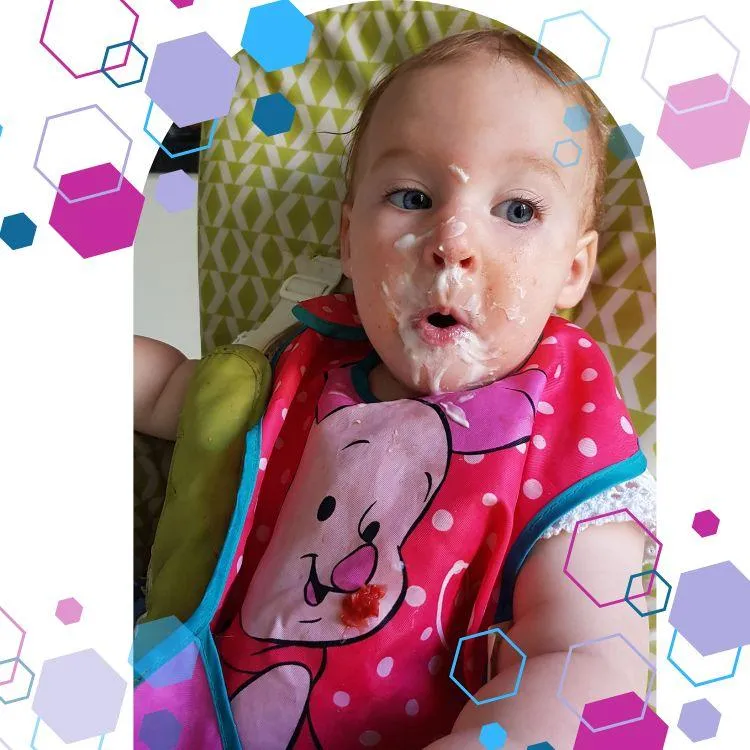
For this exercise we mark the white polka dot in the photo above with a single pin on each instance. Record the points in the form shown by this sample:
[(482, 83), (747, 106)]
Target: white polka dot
[(303, 369), (532, 489), (263, 533), (589, 374), (491, 540), (585, 343), (327, 309), (239, 565), (474, 459), (284, 412), (426, 633), (385, 666), (369, 738), (415, 596), (549, 340), (539, 442), (588, 407), (433, 666), (545, 408), (626, 426), (442, 520), (587, 447), (558, 371), (521, 447), (411, 707), (286, 476), (489, 499), (341, 699), (302, 397), (339, 297), (262, 464), (571, 325)]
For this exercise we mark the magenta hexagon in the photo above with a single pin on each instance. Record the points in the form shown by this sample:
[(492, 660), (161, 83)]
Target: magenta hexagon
[(12, 636), (192, 79), (650, 733), (705, 523), (68, 611), (99, 225), (74, 22), (709, 135)]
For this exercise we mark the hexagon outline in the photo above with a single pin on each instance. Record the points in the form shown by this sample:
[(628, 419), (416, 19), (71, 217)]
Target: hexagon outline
[(579, 151), (665, 99), (36, 731), (539, 46), (211, 133), (662, 579), (121, 170), (508, 640), (617, 511), (671, 660), (649, 687), (17, 657), (91, 72), (31, 683), (130, 44)]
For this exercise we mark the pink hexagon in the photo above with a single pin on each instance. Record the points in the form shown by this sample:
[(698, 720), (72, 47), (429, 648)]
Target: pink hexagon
[(182, 3), (705, 523), (650, 733), (99, 225), (68, 611), (12, 636), (709, 135)]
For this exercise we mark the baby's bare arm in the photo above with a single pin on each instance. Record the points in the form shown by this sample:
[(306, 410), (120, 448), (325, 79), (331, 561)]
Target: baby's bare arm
[(552, 615), (161, 375)]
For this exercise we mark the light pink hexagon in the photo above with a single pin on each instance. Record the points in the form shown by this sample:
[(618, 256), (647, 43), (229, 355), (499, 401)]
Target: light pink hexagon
[(99, 225), (709, 135), (68, 611), (12, 636)]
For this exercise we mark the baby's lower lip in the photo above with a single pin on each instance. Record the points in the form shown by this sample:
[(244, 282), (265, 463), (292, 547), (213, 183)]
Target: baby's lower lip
[(435, 336)]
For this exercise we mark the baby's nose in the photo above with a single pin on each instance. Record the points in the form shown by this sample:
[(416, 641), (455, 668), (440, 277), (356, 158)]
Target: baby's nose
[(355, 569), (451, 245)]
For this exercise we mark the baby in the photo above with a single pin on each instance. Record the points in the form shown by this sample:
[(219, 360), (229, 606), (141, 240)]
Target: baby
[(428, 451)]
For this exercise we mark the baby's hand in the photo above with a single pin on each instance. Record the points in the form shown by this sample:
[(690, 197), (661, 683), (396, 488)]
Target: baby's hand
[(161, 375)]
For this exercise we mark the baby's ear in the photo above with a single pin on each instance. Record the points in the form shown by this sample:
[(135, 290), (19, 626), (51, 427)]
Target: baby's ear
[(581, 268), (344, 246)]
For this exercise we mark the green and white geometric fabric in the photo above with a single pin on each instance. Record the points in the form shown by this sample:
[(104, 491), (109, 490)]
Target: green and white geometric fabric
[(268, 204)]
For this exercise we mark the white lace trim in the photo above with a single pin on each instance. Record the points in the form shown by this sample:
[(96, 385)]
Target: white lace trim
[(637, 495)]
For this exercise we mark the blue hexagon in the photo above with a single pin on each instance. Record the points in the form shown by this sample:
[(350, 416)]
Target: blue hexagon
[(273, 114), (20, 688), (491, 631), (577, 118), (492, 736), (663, 607), (142, 65), (208, 144), (160, 730), (597, 31), (164, 652), (17, 231), (540, 746), (569, 144), (1, 129), (701, 683), (277, 35), (699, 720), (626, 141)]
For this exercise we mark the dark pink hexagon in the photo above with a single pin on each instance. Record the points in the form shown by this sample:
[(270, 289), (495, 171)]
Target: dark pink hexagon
[(650, 733), (705, 523), (99, 225), (708, 135), (68, 611)]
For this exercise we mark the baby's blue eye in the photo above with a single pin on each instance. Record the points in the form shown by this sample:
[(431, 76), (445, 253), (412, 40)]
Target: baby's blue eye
[(410, 200), (515, 211)]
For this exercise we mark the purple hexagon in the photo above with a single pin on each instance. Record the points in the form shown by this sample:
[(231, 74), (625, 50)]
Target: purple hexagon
[(176, 191), (711, 608), (12, 636), (569, 557), (616, 715), (650, 733), (58, 24), (708, 135), (705, 523), (192, 79), (79, 696), (68, 611), (160, 730), (102, 224), (699, 720)]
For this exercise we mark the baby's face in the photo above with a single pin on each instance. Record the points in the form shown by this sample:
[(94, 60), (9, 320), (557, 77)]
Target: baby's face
[(464, 233)]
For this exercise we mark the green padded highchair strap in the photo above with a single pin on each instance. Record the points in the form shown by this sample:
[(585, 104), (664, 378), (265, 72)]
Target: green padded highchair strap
[(226, 397)]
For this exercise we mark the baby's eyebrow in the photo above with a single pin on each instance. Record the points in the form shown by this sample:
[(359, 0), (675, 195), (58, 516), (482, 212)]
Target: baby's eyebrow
[(538, 164), (395, 152)]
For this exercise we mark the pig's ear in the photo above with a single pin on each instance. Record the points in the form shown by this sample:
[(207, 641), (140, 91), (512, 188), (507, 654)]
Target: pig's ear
[(338, 393), (495, 416)]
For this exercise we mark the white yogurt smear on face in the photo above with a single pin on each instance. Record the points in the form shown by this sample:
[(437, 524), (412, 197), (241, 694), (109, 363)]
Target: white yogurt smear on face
[(459, 173), (408, 241)]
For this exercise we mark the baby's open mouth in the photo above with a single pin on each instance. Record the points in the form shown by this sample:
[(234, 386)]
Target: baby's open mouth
[(440, 327), (439, 320)]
